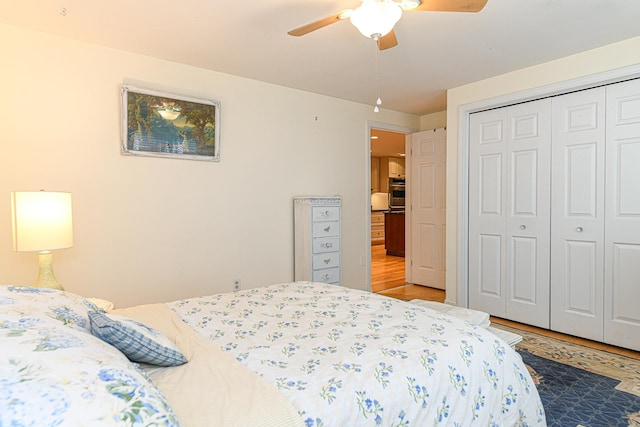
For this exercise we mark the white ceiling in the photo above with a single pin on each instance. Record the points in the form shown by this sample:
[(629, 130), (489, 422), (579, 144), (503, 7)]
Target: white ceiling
[(436, 51)]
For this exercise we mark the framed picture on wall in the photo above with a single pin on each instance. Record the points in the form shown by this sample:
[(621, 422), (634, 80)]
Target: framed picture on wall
[(160, 124)]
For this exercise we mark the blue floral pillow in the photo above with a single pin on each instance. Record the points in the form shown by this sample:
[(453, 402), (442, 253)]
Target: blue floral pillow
[(137, 341), (53, 372), (42, 303)]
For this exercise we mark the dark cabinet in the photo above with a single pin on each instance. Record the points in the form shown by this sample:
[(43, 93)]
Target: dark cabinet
[(394, 233)]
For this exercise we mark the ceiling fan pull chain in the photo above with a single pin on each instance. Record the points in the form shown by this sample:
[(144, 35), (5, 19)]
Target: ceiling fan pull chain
[(376, 109)]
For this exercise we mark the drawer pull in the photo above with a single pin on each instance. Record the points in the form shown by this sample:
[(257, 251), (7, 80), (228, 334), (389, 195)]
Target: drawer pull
[(327, 276), (579, 229), (327, 261), (326, 245), (523, 227), (325, 213), (326, 230)]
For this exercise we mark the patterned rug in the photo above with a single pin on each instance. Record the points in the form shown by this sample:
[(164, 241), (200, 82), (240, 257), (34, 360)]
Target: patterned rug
[(580, 386)]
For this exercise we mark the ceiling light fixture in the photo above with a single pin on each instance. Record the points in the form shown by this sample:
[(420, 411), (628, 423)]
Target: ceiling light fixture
[(376, 18), (409, 4)]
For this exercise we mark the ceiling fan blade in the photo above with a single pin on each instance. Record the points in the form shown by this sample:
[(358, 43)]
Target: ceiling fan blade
[(306, 29), (388, 41), (451, 5)]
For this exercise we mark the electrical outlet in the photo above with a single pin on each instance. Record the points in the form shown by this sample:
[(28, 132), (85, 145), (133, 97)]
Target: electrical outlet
[(236, 285)]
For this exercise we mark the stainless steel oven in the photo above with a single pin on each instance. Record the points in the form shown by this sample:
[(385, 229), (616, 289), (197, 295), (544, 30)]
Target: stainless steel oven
[(396, 193)]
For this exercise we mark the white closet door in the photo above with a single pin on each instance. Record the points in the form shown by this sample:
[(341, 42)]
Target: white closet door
[(487, 211), (528, 213), (622, 216), (509, 222), (577, 219)]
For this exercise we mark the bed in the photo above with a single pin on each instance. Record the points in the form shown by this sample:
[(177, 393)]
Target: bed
[(292, 354)]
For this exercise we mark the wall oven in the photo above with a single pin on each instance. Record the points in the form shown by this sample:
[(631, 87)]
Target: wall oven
[(396, 193)]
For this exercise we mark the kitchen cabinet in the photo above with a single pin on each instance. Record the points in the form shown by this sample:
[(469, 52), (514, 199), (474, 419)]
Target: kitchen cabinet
[(396, 167), (377, 227), (375, 174), (317, 239), (394, 233), (388, 167)]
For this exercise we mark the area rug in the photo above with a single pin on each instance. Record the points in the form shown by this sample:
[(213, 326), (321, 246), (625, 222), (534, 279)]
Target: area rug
[(581, 386)]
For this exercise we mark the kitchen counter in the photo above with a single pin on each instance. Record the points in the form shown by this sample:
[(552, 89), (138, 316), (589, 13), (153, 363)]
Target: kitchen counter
[(394, 232)]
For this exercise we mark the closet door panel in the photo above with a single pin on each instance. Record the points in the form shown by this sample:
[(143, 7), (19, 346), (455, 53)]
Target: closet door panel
[(490, 186), (523, 271), (490, 272), (528, 216), (622, 317), (524, 175), (487, 205), (622, 242), (577, 213), (581, 290), (582, 168), (509, 212)]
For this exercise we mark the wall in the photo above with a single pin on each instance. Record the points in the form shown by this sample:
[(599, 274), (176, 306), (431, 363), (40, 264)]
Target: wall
[(433, 121), (610, 57), (149, 230)]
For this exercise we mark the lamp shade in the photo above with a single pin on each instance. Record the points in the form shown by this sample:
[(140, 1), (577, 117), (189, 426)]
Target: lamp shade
[(41, 220), (376, 18)]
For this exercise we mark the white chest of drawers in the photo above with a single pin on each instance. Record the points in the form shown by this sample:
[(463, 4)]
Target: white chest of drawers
[(317, 239)]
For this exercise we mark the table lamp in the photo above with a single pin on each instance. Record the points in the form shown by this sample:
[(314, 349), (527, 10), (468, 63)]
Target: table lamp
[(42, 222)]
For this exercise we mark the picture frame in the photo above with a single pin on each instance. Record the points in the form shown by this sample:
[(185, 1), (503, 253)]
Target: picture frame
[(160, 124)]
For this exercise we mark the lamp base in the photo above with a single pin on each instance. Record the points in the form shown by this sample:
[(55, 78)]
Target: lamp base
[(46, 278)]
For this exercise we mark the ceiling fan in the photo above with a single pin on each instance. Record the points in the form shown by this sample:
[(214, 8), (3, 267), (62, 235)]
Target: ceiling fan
[(376, 18)]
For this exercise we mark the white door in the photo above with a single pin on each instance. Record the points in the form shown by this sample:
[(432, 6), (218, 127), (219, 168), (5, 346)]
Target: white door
[(577, 219), (528, 213), (622, 216), (426, 232), (487, 205), (509, 212)]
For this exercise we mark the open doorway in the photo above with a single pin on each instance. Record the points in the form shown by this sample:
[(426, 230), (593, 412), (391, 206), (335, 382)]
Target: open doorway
[(425, 217), (388, 183)]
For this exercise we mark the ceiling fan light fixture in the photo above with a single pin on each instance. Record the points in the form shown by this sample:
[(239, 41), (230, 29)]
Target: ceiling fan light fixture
[(409, 4), (376, 18), (345, 14)]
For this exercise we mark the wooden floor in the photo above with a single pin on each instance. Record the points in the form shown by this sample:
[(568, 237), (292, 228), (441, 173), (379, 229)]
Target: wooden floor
[(388, 278), (387, 272)]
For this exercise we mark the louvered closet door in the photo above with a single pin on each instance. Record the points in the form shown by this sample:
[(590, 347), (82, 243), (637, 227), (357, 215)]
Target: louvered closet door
[(622, 216), (577, 219), (509, 220)]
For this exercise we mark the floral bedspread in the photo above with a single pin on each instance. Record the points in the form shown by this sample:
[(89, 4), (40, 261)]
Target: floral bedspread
[(350, 358), (54, 372)]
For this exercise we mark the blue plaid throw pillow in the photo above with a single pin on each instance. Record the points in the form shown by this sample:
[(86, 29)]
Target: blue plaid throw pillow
[(139, 342)]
